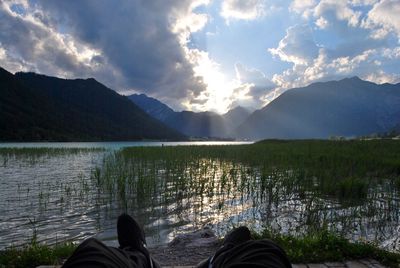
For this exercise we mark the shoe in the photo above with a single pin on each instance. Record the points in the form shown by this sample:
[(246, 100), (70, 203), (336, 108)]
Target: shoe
[(130, 234), (237, 236)]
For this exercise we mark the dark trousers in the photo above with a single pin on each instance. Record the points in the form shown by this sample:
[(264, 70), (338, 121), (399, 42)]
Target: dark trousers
[(92, 253), (255, 253)]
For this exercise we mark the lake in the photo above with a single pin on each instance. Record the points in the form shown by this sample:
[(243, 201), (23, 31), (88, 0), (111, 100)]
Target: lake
[(114, 145), (57, 192), (50, 194)]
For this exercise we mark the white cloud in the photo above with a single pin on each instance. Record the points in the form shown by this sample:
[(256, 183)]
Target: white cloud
[(391, 53), (253, 76), (384, 18), (244, 10), (355, 53), (340, 10), (322, 23), (328, 12), (303, 7), (363, 2), (325, 68), (380, 77), (253, 87), (186, 21), (297, 46), (29, 44)]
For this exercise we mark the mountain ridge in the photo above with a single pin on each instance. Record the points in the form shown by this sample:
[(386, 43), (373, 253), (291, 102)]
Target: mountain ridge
[(71, 110), (196, 124), (349, 107)]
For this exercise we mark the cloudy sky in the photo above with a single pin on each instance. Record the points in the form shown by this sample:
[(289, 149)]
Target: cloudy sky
[(203, 54)]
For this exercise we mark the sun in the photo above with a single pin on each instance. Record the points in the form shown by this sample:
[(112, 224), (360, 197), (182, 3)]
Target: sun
[(217, 96)]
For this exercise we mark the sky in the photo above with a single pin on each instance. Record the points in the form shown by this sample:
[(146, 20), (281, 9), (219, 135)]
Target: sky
[(203, 55)]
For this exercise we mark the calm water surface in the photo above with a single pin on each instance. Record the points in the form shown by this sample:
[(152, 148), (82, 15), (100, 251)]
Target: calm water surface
[(53, 196), (114, 145), (69, 195)]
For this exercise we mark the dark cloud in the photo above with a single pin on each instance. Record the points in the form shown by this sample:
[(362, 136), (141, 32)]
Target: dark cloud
[(135, 37), (127, 44), (26, 42)]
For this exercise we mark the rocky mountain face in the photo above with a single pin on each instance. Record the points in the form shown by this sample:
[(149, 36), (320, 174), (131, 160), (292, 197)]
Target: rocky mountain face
[(350, 107)]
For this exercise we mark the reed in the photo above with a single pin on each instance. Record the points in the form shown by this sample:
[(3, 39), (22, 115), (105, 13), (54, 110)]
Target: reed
[(294, 187)]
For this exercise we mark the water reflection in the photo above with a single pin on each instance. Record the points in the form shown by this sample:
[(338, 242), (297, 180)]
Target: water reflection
[(178, 196), (77, 194), (48, 194)]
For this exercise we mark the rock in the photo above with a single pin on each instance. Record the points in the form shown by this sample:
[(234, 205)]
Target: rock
[(335, 264), (201, 238), (317, 265), (355, 264), (299, 265)]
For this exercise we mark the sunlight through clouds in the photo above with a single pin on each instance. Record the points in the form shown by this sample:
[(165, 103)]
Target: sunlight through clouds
[(203, 54), (244, 10)]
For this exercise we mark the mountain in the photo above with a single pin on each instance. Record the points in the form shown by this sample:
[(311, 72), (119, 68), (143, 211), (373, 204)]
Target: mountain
[(349, 107), (152, 106), (36, 107), (236, 116), (204, 124)]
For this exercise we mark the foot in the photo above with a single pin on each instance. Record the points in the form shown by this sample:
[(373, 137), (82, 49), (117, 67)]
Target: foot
[(130, 234), (238, 236)]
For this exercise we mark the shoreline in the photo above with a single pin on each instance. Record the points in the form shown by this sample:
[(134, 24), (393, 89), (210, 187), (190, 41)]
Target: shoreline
[(323, 250)]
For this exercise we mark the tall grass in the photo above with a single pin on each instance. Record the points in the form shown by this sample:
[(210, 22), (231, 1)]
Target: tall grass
[(294, 187)]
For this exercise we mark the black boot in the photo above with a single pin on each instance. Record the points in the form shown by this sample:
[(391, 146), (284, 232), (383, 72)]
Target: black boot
[(237, 236), (131, 236)]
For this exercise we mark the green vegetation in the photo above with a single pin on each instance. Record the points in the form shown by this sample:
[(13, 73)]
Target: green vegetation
[(322, 246), (325, 246), (293, 187), (321, 200), (34, 255)]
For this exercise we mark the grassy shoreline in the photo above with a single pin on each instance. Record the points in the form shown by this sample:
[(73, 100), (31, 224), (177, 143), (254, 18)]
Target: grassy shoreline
[(319, 247), (325, 246), (336, 187)]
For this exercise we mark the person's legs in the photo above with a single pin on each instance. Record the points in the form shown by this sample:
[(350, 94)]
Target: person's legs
[(253, 253), (239, 250), (93, 253), (132, 251), (132, 240)]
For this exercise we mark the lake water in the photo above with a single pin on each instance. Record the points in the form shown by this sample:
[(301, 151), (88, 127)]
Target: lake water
[(56, 193), (52, 195), (114, 145)]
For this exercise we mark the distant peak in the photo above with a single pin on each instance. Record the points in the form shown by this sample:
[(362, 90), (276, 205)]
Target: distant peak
[(238, 108), (353, 78), (356, 78), (2, 70)]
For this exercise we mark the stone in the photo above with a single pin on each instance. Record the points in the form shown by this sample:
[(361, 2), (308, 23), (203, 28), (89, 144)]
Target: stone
[(316, 265), (355, 264), (201, 238), (377, 265), (299, 265), (335, 264)]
